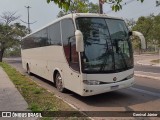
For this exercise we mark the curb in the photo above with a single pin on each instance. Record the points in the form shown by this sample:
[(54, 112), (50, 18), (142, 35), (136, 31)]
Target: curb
[(148, 64), (157, 65), (146, 76)]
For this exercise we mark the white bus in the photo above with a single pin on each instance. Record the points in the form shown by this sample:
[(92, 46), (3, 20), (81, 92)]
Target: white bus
[(86, 53)]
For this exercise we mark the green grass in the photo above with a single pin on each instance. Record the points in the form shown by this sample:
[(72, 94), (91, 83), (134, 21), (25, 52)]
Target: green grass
[(156, 61), (38, 98)]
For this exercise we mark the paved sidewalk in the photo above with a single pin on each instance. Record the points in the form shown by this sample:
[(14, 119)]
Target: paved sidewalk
[(148, 62), (145, 60), (10, 98)]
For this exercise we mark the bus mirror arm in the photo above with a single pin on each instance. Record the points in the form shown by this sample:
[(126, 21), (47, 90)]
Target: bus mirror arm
[(130, 33), (79, 41), (69, 38), (141, 37)]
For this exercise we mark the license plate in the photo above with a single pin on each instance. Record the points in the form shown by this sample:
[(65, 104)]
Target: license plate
[(114, 87)]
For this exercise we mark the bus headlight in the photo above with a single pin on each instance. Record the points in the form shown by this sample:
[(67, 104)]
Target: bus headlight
[(91, 82), (130, 76)]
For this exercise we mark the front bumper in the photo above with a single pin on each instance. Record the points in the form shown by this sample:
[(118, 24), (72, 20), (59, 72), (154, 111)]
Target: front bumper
[(89, 90)]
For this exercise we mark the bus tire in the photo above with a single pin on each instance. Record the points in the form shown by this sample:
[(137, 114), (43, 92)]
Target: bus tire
[(59, 83), (28, 69)]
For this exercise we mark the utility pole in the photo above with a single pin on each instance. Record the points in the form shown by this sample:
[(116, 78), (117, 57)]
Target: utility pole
[(157, 3), (29, 29), (28, 7)]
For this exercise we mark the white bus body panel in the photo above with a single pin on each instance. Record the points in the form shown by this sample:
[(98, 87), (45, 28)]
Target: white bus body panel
[(44, 60), (98, 89), (102, 88)]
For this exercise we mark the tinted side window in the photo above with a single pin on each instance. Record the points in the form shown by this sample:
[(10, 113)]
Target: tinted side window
[(54, 34), (39, 39), (48, 36), (28, 43), (69, 45), (67, 30), (43, 38)]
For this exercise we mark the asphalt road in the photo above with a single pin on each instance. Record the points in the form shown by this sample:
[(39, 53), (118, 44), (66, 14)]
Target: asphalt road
[(143, 96), (153, 69)]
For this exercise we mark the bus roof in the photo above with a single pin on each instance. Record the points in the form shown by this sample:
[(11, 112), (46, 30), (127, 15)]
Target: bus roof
[(74, 16)]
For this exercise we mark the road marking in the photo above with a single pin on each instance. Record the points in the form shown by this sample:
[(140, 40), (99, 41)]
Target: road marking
[(147, 76), (147, 72), (145, 64), (145, 92)]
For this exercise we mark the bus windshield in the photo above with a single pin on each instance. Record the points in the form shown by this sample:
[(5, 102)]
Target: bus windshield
[(107, 45)]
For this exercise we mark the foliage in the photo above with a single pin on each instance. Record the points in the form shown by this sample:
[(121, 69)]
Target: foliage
[(8, 17), (37, 97), (15, 51), (150, 27), (82, 6), (61, 3), (156, 30), (65, 4), (117, 4), (144, 25), (10, 33), (130, 23), (156, 61)]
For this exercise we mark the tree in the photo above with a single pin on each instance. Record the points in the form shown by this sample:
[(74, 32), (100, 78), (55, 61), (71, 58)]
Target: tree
[(156, 30), (83, 6), (8, 17), (130, 23), (15, 51), (10, 34), (61, 13), (65, 4), (145, 26), (150, 27)]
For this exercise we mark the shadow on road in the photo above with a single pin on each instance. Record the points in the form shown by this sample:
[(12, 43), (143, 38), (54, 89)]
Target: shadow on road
[(120, 98)]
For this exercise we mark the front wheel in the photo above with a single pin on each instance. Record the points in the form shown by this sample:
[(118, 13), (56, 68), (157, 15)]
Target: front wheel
[(59, 83)]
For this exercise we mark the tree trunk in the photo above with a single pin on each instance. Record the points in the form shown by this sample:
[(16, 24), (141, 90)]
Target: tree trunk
[(146, 45), (1, 54)]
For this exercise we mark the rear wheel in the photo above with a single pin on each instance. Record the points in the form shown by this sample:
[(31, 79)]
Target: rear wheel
[(28, 70), (59, 83)]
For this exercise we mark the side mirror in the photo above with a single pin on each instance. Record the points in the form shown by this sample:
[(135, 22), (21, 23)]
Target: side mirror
[(79, 41), (141, 37)]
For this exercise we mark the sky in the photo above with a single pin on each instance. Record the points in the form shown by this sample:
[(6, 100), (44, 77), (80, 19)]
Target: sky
[(44, 13)]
